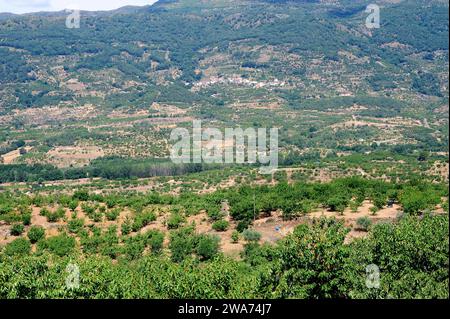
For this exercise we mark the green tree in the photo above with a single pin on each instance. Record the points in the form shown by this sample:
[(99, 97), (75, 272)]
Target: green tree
[(36, 233), (337, 203), (363, 223), (19, 246), (181, 244), (311, 263), (415, 201), (60, 245), (251, 235), (17, 229), (207, 246), (220, 225)]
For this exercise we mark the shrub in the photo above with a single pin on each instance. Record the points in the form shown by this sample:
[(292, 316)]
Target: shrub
[(363, 223), (112, 214), (337, 203), (36, 233), (221, 225), (373, 210), (134, 247), (111, 202), (97, 217), (60, 245), (415, 201), (126, 227), (55, 216), (354, 205), (44, 212), (181, 244), (155, 239), (52, 217), (19, 246), (254, 254), (214, 212), (81, 195), (235, 236), (251, 235), (26, 219), (73, 205), (17, 229), (87, 209), (110, 251), (242, 225), (306, 206), (74, 225), (379, 201), (142, 220), (290, 209), (207, 246), (175, 220)]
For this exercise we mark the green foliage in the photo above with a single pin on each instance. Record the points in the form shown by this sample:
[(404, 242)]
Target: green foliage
[(53, 217), (220, 225), (160, 49), (17, 229), (126, 227), (422, 258), (19, 246), (81, 195), (251, 235), (25, 215), (426, 83), (207, 246), (87, 209), (155, 240), (36, 233), (13, 67), (256, 255), (175, 220), (242, 225), (235, 236), (112, 214), (182, 244), (134, 247), (75, 225), (379, 200), (98, 242), (363, 223), (73, 204), (415, 201), (337, 203), (143, 219), (61, 245), (312, 263)]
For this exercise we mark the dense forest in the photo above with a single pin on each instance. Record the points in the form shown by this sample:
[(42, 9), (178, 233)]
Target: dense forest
[(172, 30)]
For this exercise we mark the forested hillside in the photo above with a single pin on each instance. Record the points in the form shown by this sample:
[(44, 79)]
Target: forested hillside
[(135, 71)]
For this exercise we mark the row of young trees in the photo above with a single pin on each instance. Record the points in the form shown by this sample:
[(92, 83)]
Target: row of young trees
[(410, 258), (246, 203)]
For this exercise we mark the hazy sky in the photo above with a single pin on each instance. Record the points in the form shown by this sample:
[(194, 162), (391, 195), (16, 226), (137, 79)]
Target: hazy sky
[(25, 6)]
